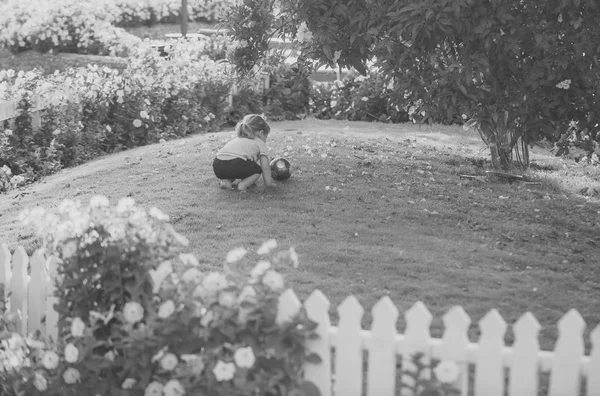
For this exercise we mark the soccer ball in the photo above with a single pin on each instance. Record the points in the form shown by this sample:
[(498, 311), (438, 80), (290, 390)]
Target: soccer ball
[(281, 169)]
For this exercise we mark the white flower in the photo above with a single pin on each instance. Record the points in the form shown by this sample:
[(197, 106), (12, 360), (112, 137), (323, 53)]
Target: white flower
[(447, 371), (158, 214), (77, 327), (273, 280), (336, 56), (207, 119), (188, 259), (6, 170), (169, 362), (133, 312), (71, 353), (71, 376), (195, 362), (364, 99), (125, 204), (244, 357), (166, 309), (248, 294), (214, 282), (260, 268), (8, 132), (137, 123), (154, 388), (192, 275), (267, 247), (99, 201), (224, 371), (227, 299), (235, 255), (50, 360), (40, 382), (144, 114), (69, 248), (110, 356), (304, 35), (333, 103), (173, 388), (128, 383)]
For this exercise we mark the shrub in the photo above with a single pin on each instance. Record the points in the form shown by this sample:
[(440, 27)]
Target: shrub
[(136, 317), (359, 98), (102, 110), (63, 26)]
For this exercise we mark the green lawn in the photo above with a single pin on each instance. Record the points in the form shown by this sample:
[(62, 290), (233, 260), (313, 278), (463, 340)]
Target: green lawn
[(376, 210)]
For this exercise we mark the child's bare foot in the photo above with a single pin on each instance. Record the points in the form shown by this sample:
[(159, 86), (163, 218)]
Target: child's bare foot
[(225, 184)]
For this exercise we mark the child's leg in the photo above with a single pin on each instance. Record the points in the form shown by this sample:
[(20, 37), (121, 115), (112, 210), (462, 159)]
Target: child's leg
[(247, 182)]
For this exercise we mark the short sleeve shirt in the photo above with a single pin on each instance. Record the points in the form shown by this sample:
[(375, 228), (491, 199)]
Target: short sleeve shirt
[(248, 149)]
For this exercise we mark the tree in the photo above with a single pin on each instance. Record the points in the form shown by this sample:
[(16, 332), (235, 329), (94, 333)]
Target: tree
[(518, 70)]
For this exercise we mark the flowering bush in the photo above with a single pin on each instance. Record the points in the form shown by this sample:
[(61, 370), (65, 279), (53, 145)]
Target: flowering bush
[(63, 26), (90, 27), (138, 319), (96, 110)]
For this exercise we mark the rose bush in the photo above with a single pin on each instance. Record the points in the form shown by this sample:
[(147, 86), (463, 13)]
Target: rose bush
[(91, 27), (96, 110), (137, 318)]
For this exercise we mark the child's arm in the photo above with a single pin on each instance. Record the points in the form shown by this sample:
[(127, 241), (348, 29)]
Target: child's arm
[(266, 170)]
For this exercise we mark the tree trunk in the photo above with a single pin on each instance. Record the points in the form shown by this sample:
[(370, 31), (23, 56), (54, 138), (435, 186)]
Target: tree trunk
[(184, 17)]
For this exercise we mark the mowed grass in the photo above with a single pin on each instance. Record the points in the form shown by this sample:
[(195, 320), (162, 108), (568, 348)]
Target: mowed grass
[(373, 210)]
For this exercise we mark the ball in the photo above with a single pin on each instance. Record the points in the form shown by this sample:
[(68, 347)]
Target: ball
[(281, 169)]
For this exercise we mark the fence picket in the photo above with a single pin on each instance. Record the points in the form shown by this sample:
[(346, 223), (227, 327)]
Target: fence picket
[(37, 293), (288, 306), (5, 271), (348, 349), (455, 343), (51, 300), (565, 379), (594, 366), (381, 376), (416, 340), (524, 366), (317, 307), (18, 287), (489, 373)]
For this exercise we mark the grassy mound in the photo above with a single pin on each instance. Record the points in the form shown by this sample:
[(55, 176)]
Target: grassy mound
[(373, 210)]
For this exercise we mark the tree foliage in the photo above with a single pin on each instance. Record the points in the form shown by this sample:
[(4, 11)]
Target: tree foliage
[(519, 70)]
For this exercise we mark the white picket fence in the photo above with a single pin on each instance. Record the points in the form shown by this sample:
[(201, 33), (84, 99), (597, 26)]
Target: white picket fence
[(498, 370), (31, 297)]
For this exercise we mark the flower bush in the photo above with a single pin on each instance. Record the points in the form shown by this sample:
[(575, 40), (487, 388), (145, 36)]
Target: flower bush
[(91, 27), (138, 318), (93, 111), (63, 26)]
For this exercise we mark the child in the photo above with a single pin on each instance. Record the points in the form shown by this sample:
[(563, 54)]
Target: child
[(245, 157)]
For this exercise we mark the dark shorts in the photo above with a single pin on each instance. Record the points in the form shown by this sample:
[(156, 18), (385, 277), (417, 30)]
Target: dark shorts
[(235, 168)]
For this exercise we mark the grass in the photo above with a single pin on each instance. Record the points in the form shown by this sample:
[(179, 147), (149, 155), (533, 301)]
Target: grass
[(376, 210)]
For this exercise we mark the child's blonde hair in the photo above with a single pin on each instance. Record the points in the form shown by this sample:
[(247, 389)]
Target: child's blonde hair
[(250, 125)]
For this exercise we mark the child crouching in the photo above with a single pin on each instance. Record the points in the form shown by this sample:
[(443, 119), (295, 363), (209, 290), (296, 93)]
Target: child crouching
[(244, 159)]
